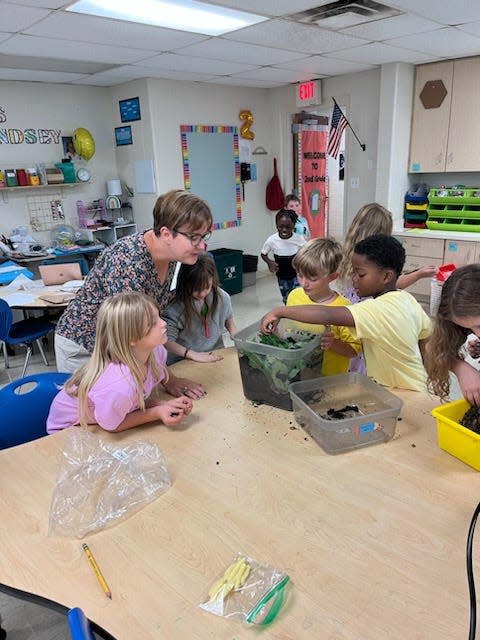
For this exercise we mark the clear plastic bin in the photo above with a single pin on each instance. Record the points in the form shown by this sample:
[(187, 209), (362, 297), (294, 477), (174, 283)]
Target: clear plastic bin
[(375, 422), (267, 371)]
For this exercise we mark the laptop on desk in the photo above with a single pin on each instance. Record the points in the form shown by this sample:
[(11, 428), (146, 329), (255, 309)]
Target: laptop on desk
[(60, 273)]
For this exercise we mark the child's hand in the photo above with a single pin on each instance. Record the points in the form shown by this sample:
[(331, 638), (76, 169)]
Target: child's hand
[(327, 338), (273, 267), (184, 387), (427, 272), (269, 322), (173, 411), (199, 356)]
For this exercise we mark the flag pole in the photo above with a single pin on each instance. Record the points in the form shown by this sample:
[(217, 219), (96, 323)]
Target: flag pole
[(363, 146)]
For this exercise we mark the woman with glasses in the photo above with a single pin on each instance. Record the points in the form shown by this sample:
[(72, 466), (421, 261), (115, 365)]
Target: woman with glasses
[(147, 262)]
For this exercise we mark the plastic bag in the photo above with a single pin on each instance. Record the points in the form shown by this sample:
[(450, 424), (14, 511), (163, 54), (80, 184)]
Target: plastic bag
[(255, 599), (100, 483)]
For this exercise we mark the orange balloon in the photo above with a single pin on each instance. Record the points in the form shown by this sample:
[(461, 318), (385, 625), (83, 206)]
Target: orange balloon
[(245, 132)]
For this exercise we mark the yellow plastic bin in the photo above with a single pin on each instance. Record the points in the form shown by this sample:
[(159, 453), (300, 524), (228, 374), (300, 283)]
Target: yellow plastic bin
[(459, 441)]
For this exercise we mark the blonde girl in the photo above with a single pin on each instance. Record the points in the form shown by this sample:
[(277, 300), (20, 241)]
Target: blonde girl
[(458, 316), (113, 389)]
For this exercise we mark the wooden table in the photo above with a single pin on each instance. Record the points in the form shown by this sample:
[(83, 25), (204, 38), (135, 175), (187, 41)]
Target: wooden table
[(37, 293), (374, 539)]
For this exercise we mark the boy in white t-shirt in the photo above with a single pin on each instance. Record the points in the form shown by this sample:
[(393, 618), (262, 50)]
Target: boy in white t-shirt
[(391, 325)]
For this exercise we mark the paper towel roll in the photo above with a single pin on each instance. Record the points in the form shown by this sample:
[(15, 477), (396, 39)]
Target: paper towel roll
[(114, 188)]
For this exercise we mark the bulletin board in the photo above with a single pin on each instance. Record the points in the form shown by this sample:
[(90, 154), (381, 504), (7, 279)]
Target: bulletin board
[(211, 170)]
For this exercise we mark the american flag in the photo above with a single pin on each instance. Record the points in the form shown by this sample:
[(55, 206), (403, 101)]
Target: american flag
[(339, 122)]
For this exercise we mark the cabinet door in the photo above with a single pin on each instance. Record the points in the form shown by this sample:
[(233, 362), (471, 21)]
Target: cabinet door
[(459, 253), (429, 132), (423, 247), (464, 130), (412, 263)]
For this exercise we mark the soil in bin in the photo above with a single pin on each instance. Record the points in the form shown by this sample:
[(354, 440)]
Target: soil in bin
[(471, 419), (257, 388)]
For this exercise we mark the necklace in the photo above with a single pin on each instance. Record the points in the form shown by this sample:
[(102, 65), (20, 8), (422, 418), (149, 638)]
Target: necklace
[(329, 297)]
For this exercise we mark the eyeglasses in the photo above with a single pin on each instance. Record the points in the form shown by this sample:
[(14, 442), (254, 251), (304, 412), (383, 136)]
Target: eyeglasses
[(196, 238)]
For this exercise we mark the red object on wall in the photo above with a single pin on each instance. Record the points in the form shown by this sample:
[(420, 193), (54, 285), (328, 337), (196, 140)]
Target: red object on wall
[(312, 168), (274, 196)]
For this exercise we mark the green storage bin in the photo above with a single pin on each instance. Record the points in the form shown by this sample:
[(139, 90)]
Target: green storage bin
[(68, 170), (229, 263)]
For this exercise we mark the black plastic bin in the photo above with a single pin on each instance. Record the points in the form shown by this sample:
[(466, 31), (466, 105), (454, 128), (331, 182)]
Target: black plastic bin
[(230, 269), (250, 266)]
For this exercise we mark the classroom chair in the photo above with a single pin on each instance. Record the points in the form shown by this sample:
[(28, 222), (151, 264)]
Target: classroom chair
[(83, 262), (22, 332), (81, 628), (24, 411)]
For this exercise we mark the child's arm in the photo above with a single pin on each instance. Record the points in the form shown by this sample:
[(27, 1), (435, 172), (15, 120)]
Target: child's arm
[(231, 326), (342, 348), (407, 279), (469, 381), (272, 265), (170, 412), (309, 313)]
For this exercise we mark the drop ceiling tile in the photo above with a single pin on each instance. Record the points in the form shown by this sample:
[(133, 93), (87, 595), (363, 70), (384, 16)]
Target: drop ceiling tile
[(245, 82), (272, 7), (319, 66), (457, 12), (283, 76), (51, 64), (174, 62), (380, 53), (4, 36), (73, 26), (470, 27), (447, 42), (70, 50), (44, 4), (218, 48), (284, 34), (392, 27), (37, 76), (16, 18)]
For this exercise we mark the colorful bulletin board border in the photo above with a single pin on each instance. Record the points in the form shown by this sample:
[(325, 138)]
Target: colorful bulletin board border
[(211, 170)]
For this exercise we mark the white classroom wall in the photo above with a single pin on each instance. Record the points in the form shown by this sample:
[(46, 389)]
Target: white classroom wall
[(165, 104)]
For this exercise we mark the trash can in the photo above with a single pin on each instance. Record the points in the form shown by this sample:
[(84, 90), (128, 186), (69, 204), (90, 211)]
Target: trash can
[(250, 266), (230, 269)]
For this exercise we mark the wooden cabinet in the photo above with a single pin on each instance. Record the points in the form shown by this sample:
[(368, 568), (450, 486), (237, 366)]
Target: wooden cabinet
[(445, 138), (421, 253), (460, 252), (429, 131)]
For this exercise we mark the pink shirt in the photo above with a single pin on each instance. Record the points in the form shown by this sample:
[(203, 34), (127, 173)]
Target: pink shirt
[(111, 398)]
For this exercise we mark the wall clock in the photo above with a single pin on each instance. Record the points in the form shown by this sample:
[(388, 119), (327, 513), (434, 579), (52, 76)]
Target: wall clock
[(83, 174)]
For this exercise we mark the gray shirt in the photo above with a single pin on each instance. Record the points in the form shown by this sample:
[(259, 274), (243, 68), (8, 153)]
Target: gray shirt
[(195, 335)]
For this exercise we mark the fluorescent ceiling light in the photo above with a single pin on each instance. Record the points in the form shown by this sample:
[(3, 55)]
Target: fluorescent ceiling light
[(184, 15)]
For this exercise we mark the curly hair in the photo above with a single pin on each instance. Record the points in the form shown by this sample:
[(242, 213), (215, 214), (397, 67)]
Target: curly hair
[(371, 219), (384, 251), (286, 213), (459, 299)]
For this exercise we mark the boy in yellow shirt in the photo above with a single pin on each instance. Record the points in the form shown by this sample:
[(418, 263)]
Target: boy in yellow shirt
[(316, 264)]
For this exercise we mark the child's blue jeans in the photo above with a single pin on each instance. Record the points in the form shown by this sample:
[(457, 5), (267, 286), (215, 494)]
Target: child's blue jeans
[(287, 285)]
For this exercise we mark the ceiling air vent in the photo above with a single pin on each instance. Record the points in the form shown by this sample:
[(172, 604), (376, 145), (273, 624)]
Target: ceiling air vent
[(345, 13)]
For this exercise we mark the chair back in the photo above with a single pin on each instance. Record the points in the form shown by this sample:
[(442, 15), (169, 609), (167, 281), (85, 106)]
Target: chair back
[(6, 319), (79, 625), (24, 407)]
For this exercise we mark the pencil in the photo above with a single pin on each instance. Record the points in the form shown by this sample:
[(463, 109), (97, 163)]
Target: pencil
[(96, 569)]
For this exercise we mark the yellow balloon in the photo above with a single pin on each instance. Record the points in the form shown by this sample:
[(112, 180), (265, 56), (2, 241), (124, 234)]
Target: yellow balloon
[(83, 143)]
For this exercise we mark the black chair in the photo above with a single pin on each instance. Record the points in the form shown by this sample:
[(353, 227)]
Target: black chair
[(24, 332)]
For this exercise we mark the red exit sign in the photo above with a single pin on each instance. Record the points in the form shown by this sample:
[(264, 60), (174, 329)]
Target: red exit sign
[(308, 93)]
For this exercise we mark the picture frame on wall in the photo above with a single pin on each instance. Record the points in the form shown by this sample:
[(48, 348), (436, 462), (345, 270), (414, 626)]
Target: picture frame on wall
[(130, 109), (123, 136)]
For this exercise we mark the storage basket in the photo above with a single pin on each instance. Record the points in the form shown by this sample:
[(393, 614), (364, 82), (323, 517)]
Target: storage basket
[(459, 441)]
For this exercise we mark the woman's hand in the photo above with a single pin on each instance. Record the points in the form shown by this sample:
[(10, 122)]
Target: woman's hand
[(200, 356), (172, 412), (184, 387)]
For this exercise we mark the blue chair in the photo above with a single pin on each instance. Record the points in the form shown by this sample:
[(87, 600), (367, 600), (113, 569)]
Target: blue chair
[(24, 411), (22, 332), (79, 625), (83, 262)]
